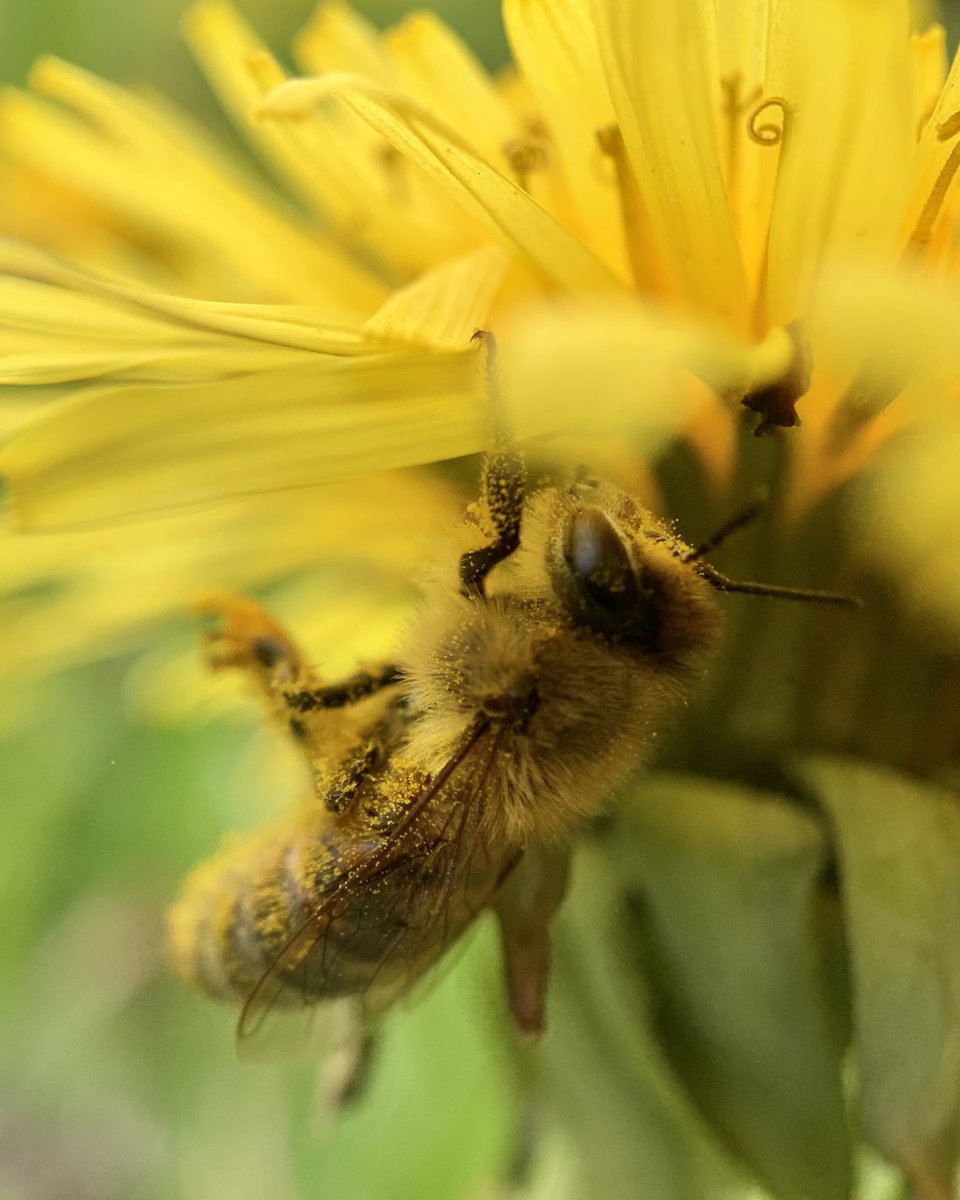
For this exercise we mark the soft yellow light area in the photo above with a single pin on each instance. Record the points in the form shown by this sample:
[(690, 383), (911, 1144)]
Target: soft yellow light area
[(909, 521), (890, 327), (638, 370)]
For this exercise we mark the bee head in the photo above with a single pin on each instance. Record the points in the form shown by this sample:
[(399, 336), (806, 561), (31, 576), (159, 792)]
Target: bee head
[(618, 572)]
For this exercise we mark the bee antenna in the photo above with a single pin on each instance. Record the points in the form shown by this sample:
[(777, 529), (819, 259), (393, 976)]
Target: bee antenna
[(808, 595), (744, 517)]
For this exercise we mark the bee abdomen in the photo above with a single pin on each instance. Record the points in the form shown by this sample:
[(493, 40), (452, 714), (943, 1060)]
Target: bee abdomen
[(235, 914)]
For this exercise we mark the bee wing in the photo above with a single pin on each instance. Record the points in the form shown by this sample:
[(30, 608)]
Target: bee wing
[(391, 910)]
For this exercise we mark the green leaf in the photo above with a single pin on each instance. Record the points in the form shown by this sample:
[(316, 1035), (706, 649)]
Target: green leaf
[(899, 849), (438, 1119), (629, 1128), (737, 939)]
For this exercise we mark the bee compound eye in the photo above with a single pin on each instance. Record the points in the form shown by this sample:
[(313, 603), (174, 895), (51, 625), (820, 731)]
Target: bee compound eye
[(594, 577), (598, 561)]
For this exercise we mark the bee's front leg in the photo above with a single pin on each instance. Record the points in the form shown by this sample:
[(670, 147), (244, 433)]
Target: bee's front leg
[(503, 484), (525, 907)]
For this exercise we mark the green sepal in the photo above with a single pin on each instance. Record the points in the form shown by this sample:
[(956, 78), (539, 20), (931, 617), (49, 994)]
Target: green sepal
[(898, 843), (737, 931)]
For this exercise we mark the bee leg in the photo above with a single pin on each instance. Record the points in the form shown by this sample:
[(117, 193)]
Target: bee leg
[(339, 695), (503, 482), (525, 906), (245, 637), (345, 1075)]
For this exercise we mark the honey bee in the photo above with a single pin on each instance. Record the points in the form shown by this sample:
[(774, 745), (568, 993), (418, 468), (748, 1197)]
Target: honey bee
[(450, 780)]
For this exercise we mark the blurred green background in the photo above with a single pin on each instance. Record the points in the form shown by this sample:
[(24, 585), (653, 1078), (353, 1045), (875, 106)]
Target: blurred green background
[(116, 1083)]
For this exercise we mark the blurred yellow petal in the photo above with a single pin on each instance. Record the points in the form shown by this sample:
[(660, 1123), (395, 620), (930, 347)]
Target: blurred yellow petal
[(622, 368), (171, 183), (456, 166), (340, 621), (290, 327), (171, 365), (434, 68), (661, 68), (928, 72), (110, 584), (338, 38), (444, 307), (840, 71), (891, 329), (119, 451)]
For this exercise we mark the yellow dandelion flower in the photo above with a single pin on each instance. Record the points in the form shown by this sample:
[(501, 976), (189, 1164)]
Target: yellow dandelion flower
[(687, 223)]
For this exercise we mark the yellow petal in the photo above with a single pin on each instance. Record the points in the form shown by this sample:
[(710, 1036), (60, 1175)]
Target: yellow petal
[(436, 70), (928, 62), (457, 167), (743, 30), (662, 72), (445, 306), (90, 592), (170, 365), (842, 69), (286, 326), (933, 201), (555, 46), (343, 176), (338, 38), (116, 451)]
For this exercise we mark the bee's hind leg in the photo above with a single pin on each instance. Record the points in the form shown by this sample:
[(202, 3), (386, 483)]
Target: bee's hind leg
[(525, 907)]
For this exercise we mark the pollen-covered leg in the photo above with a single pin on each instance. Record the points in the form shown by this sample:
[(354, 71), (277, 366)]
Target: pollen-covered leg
[(525, 907), (245, 637), (503, 482), (348, 691)]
